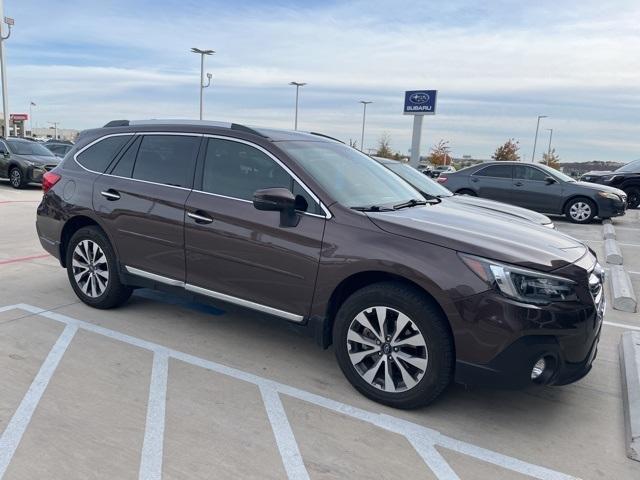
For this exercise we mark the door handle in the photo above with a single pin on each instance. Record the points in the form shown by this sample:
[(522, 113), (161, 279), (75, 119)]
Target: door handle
[(110, 195), (518, 184), (199, 217)]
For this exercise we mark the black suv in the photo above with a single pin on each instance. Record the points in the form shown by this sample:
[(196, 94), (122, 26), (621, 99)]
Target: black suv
[(625, 178), (412, 292)]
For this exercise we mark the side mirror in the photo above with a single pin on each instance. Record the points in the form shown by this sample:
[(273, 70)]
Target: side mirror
[(278, 200), (5, 154), (549, 180)]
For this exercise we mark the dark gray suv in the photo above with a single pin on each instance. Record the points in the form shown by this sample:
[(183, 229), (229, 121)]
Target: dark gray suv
[(411, 292), (23, 161), (538, 188)]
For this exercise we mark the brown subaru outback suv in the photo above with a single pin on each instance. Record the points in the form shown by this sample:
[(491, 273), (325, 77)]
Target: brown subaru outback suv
[(411, 293)]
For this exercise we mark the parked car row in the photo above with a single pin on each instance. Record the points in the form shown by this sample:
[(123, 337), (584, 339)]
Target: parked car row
[(625, 178), (538, 187), (414, 288)]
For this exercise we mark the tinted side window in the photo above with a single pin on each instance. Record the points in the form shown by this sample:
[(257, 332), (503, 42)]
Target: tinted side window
[(3, 148), (99, 155), (500, 171), (124, 167), (304, 199), (167, 159), (523, 172)]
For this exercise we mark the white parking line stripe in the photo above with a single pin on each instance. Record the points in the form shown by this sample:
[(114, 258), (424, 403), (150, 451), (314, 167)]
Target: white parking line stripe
[(621, 325), (387, 422), (20, 421), (286, 441), (438, 465), (151, 458)]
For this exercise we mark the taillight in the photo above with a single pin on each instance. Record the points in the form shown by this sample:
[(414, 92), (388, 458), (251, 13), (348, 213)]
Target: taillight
[(441, 179), (49, 179)]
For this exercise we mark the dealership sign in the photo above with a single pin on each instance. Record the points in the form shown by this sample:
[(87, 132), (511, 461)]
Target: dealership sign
[(18, 117), (420, 102)]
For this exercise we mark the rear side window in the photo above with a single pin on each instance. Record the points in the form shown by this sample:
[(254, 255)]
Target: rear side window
[(124, 167), (498, 171), (523, 172), (167, 159), (99, 155), (237, 170)]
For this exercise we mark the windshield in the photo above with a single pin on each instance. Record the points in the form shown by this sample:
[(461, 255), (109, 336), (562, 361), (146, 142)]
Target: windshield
[(556, 173), (349, 176), (418, 180), (25, 147), (630, 167)]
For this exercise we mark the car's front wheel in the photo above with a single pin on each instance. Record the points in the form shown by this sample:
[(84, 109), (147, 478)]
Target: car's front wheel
[(16, 178), (393, 345), (633, 197), (580, 210), (92, 269)]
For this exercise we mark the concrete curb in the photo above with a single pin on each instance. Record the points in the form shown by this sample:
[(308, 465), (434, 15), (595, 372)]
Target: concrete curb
[(612, 253), (624, 298), (608, 231), (630, 370)]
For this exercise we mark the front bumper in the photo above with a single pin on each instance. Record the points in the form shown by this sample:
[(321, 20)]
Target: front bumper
[(608, 208), (35, 173), (512, 337)]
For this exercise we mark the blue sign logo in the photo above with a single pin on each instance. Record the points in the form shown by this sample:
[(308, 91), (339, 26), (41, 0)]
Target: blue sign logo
[(420, 102)]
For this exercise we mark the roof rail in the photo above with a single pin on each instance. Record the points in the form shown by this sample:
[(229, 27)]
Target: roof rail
[(117, 123), (325, 136), (206, 123), (242, 128)]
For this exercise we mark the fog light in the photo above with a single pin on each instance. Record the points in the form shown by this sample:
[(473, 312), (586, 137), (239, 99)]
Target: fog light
[(538, 369)]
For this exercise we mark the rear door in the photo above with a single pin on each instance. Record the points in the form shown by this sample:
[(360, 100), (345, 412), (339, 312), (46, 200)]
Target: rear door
[(242, 255), (141, 202), (4, 160), (494, 182), (531, 190)]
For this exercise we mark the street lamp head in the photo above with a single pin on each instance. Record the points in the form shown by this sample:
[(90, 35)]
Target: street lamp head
[(9, 21), (202, 52), (543, 116), (364, 102), (298, 84), (209, 76)]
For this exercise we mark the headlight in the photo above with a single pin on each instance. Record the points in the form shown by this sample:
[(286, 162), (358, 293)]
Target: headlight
[(609, 195), (610, 178), (522, 284)]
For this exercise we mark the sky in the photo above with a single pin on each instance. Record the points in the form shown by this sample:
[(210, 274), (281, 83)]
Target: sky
[(497, 65)]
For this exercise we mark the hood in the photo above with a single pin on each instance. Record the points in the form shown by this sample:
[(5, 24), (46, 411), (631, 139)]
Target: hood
[(599, 187), (493, 207), (38, 159), (491, 236), (597, 173)]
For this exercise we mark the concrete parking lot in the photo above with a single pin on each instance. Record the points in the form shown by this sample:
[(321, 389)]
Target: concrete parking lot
[(164, 388)]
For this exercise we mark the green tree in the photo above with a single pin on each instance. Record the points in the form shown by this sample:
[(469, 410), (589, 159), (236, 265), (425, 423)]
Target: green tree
[(508, 152), (552, 159), (384, 149), (440, 153)]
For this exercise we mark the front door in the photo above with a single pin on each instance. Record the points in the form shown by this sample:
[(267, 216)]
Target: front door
[(239, 254), (141, 200), (532, 190)]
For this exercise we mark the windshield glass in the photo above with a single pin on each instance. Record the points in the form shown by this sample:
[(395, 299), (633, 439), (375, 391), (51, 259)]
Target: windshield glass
[(556, 173), (418, 180), (630, 167), (349, 176), (25, 147)]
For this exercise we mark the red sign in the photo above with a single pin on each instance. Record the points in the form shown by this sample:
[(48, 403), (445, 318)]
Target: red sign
[(17, 117)]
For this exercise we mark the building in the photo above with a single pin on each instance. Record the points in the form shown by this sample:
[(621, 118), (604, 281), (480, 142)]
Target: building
[(50, 132)]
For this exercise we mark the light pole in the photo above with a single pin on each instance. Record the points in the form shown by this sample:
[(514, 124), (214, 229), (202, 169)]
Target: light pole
[(533, 155), (5, 100), (55, 129), (202, 53), (549, 149), (364, 117), (298, 85), (31, 105)]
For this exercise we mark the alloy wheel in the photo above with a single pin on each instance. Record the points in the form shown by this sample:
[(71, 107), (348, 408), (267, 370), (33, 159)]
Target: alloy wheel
[(580, 211), (90, 268), (15, 177), (387, 349)]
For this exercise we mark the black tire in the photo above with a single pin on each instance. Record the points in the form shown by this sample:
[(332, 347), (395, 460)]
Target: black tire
[(466, 191), (114, 293), (430, 323), (585, 210), (633, 197), (16, 178)]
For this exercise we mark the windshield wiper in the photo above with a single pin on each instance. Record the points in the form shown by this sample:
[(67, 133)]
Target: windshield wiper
[(411, 203), (372, 208)]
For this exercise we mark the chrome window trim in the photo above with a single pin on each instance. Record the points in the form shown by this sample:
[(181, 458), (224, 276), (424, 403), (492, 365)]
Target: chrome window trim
[(327, 212), (293, 317)]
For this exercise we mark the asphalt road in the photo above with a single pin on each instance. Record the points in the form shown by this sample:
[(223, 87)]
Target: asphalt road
[(163, 388)]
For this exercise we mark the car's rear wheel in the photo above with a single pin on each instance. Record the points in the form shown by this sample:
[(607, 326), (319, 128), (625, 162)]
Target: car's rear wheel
[(16, 178), (580, 210), (633, 197), (466, 191), (92, 269), (393, 345)]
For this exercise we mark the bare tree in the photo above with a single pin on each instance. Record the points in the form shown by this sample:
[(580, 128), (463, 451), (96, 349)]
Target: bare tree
[(384, 150)]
